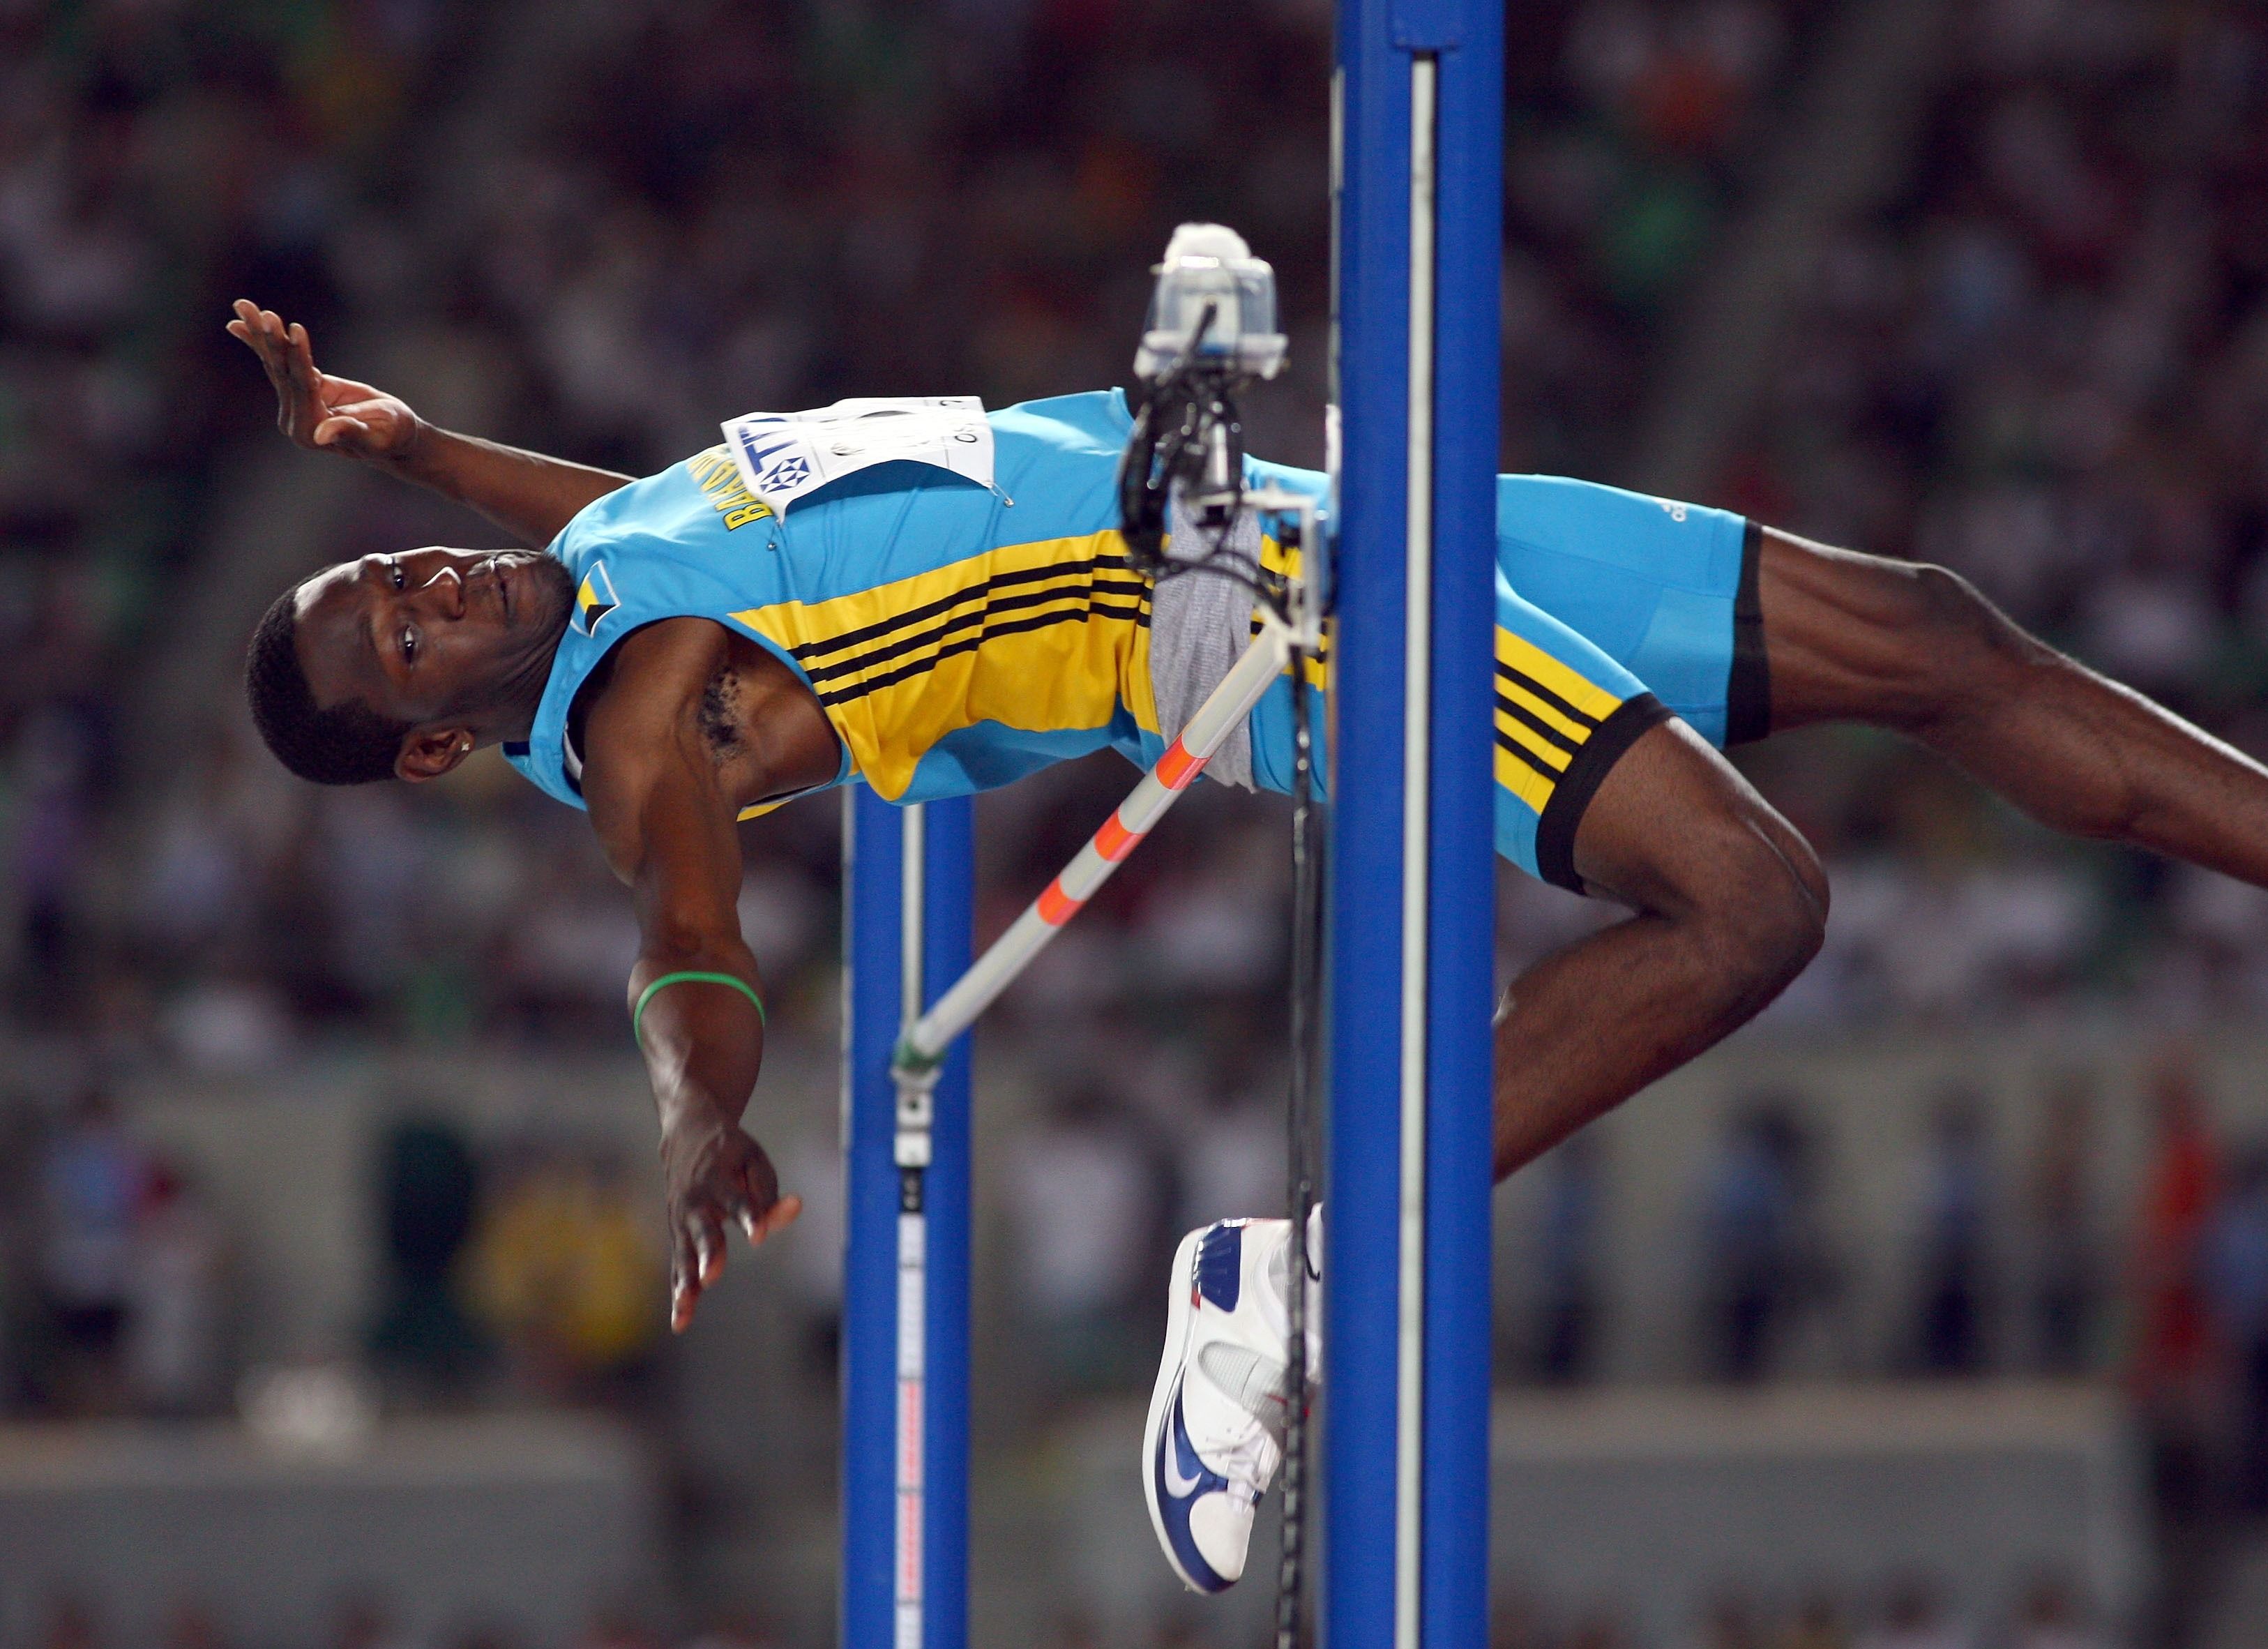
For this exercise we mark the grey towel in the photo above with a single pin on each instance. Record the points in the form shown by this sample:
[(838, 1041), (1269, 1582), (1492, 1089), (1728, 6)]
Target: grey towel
[(1200, 624)]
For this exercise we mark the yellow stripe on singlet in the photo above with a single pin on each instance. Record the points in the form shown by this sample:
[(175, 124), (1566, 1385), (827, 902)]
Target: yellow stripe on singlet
[(1047, 637)]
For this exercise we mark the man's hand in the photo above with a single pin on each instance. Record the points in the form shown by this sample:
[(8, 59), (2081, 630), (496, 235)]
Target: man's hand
[(315, 409), (531, 497), (713, 1175)]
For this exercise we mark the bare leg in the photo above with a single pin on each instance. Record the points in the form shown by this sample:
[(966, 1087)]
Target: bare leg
[(1730, 905), (1915, 648)]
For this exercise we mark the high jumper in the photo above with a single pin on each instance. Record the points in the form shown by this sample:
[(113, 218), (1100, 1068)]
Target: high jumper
[(673, 654)]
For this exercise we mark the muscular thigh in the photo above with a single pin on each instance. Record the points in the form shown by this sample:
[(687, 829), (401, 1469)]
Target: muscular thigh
[(1851, 636), (1675, 827)]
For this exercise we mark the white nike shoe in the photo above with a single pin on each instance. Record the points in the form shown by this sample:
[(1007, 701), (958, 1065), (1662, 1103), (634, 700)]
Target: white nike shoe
[(1215, 1428)]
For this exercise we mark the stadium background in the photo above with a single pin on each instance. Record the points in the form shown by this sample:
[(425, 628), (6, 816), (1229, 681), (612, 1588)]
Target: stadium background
[(330, 1287)]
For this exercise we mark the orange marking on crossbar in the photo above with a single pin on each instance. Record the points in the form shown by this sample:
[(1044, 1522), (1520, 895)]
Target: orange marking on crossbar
[(1057, 907), (1115, 840), (1177, 767)]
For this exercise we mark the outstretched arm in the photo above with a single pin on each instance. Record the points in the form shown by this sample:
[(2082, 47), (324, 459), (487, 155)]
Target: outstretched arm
[(666, 826), (529, 496)]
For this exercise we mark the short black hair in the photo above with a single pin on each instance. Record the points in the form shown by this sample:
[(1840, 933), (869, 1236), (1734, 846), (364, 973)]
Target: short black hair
[(347, 744)]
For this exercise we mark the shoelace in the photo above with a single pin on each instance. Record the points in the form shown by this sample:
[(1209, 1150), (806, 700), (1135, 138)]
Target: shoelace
[(1249, 1463)]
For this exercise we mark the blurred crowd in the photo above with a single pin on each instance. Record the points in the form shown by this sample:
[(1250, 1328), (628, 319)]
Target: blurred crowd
[(1633, 132), (525, 1269), (151, 159), (522, 1267), (2016, 1257), (2041, 365), (604, 228), (2037, 365), (2046, 1612), (72, 1621), (113, 1272), (690, 211), (2046, 364)]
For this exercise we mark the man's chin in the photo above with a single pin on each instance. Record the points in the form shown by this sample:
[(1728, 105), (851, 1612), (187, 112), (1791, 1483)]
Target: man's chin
[(543, 595)]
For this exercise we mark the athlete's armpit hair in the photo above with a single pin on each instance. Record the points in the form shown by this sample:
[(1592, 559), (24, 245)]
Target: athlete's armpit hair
[(347, 744), (720, 714)]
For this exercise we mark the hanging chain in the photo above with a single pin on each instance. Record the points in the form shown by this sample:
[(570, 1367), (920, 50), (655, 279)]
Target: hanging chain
[(1307, 933)]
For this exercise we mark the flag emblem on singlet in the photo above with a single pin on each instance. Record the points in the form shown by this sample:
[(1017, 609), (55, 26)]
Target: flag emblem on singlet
[(594, 598)]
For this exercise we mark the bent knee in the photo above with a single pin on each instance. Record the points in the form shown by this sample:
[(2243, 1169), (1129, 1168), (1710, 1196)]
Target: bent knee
[(1770, 916), (1950, 613), (1928, 626), (1677, 832), (1957, 651)]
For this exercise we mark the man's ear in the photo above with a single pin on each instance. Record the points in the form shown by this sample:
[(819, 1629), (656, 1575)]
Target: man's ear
[(429, 752)]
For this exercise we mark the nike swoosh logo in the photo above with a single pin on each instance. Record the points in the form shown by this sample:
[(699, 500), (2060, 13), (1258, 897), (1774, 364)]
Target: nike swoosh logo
[(1179, 1485)]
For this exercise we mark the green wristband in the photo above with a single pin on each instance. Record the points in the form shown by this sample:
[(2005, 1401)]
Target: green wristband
[(637, 1014)]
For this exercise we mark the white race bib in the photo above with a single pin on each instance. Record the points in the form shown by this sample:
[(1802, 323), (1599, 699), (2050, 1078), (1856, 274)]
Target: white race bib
[(783, 455)]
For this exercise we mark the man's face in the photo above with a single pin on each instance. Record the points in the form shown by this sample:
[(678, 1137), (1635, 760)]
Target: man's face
[(431, 635)]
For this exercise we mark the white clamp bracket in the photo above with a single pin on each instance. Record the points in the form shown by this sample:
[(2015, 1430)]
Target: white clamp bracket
[(915, 1076)]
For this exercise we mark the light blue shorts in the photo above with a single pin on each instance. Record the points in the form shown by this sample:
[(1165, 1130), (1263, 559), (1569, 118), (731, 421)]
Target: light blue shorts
[(1614, 611)]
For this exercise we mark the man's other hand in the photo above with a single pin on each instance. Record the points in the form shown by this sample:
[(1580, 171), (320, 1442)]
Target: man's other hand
[(715, 1176), (315, 409)]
